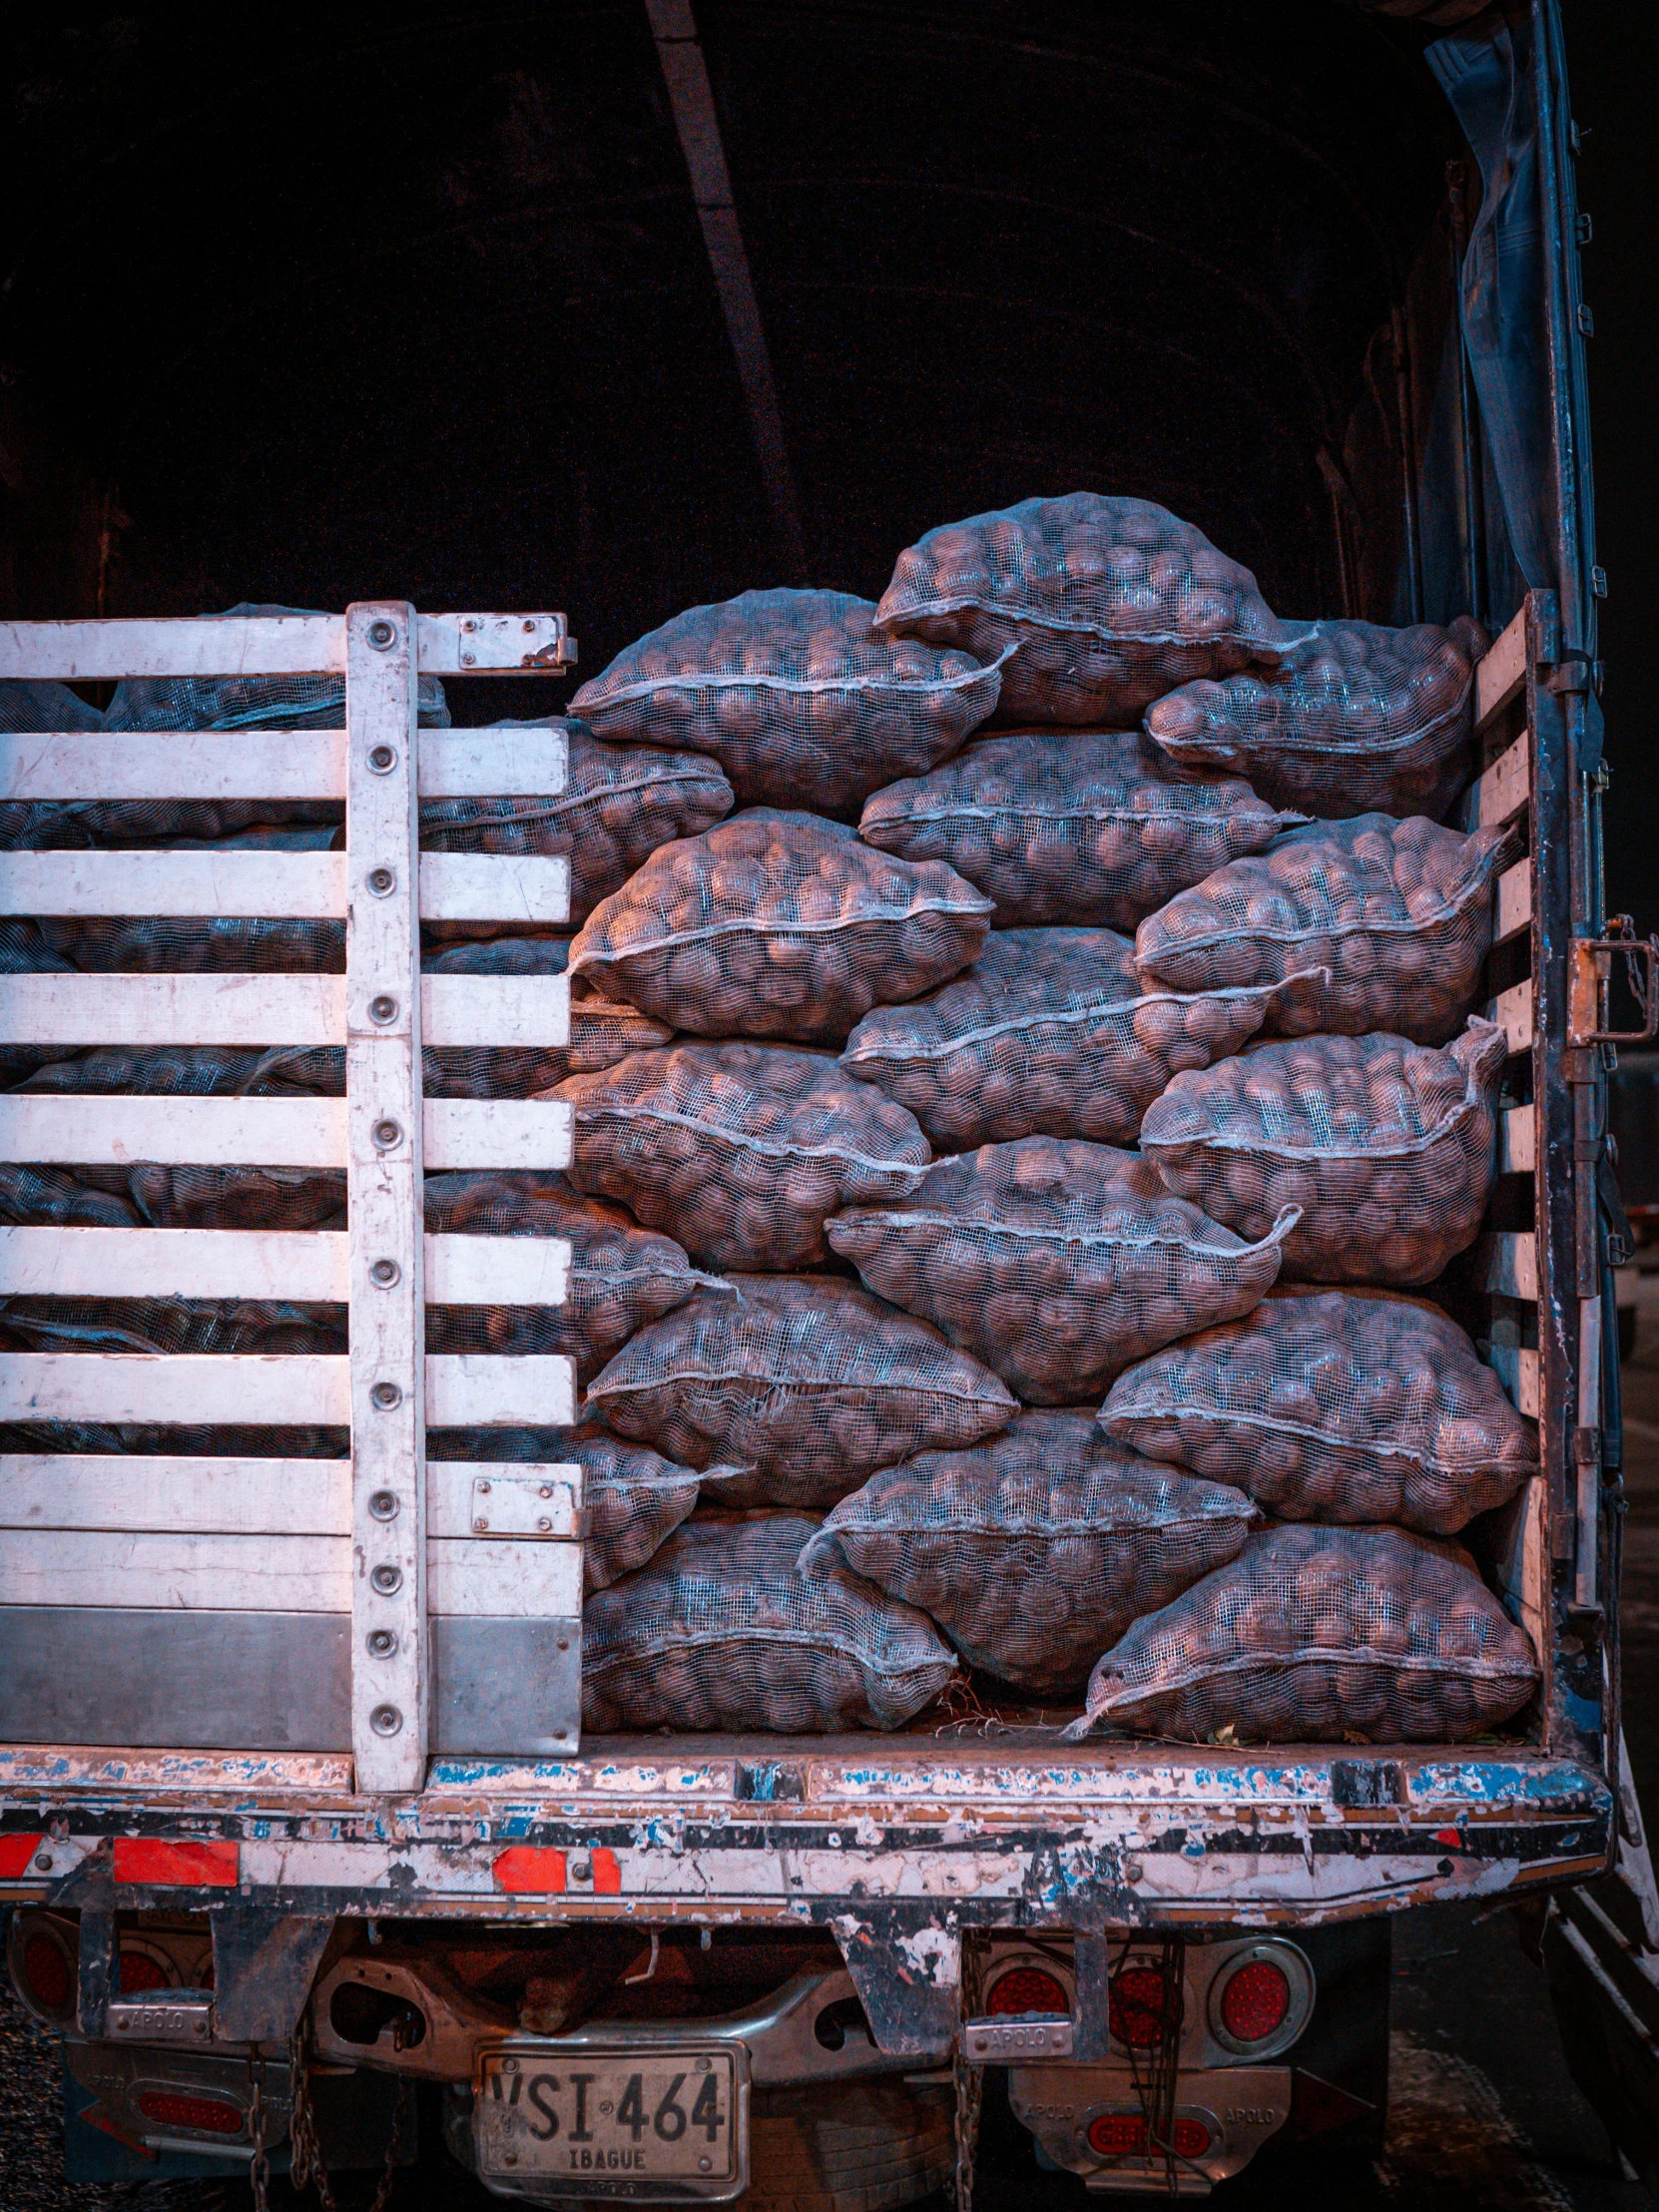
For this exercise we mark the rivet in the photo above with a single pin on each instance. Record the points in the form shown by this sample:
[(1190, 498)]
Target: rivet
[(387, 1133), (386, 1578), (563, 1643), (544, 1522), (546, 1490), (468, 659), (385, 1720), (382, 1642), (381, 880), (382, 759), (383, 1504), (386, 1395), (1132, 1870), (483, 1489), (382, 1009), (43, 1861), (480, 1524), (385, 1273)]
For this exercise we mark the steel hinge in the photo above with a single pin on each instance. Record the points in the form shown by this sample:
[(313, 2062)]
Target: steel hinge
[(1590, 980), (1583, 228), (1598, 582)]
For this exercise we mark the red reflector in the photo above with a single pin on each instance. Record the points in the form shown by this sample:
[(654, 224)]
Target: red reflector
[(1125, 2135), (1027, 1990), (15, 1855), (46, 1970), (175, 1865), (525, 1869), (607, 1874), (1255, 2001), (1139, 2006), (138, 1971), (202, 2115)]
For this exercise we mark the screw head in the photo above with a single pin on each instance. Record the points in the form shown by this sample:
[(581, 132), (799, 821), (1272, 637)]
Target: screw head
[(544, 1522), (480, 1524), (386, 1395), (385, 1720), (563, 1643), (546, 1490), (382, 634), (43, 1861), (382, 759), (386, 1578), (382, 1009), (383, 1504), (381, 880), (385, 1273), (382, 1642), (483, 1489), (387, 1133)]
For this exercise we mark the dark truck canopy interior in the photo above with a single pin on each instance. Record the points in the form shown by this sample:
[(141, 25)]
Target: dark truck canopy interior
[(408, 301)]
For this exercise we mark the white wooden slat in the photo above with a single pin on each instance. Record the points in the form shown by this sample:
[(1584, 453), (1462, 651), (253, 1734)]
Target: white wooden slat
[(99, 765), (1501, 672), (504, 1581), (483, 1497), (265, 1390), (493, 886), (310, 1264), (500, 645), (477, 1389), (1503, 791), (1514, 902), (104, 1131), (1518, 1141), (177, 1009), (209, 645), (1512, 1011), (492, 763), (1517, 1369), (1508, 1264), (269, 1497), (498, 1010), (497, 1271), (493, 1133), (1523, 1561), (306, 885)]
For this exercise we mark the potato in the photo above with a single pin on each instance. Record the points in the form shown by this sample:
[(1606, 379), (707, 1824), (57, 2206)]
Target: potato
[(1356, 718), (1034, 1548), (1086, 828), (1386, 1148), (806, 1380), (1334, 1405), (781, 925), (740, 1150), (621, 1276), (721, 1631), (798, 698), (1049, 1033), (1398, 915), (1321, 1635), (1055, 1262), (1110, 603)]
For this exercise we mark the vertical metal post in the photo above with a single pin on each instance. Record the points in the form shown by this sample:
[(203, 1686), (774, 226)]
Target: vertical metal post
[(389, 1661)]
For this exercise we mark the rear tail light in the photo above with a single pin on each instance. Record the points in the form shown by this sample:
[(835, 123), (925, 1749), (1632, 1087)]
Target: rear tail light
[(139, 1972), (1260, 2000), (1255, 2001), (46, 1974), (1126, 2135), (1141, 2005), (1027, 1990), (201, 2116)]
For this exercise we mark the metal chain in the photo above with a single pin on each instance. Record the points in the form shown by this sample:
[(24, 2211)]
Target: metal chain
[(306, 2150), (258, 2170), (969, 2082)]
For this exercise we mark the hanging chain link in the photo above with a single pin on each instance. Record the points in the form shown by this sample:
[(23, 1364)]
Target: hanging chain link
[(307, 2162), (258, 2170), (970, 2080)]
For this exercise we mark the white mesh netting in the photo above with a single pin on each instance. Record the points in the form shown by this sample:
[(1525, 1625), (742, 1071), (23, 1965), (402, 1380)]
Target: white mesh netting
[(1034, 1550), (1386, 1147), (805, 1379), (1398, 913), (721, 1631), (1111, 603), (778, 925), (1356, 718), (799, 700), (1334, 1405), (1321, 1635), (602, 1029), (1088, 828), (1055, 1262), (742, 1151), (1051, 1034)]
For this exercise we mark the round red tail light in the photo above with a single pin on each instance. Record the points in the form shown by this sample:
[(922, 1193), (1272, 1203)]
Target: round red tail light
[(138, 1971), (1125, 2135), (46, 1970), (1255, 2001), (1140, 2005), (1027, 1990), (201, 2115)]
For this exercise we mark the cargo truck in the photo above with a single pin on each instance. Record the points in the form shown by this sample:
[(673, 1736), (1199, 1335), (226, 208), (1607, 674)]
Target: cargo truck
[(302, 1847)]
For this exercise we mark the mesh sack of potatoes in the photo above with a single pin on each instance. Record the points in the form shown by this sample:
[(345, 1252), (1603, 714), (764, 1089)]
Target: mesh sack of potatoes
[(806, 1381), (1035, 1549), (1055, 1262), (1050, 1033), (1386, 1148), (621, 1276), (1088, 828), (619, 804), (1398, 913), (268, 1327), (1354, 719), (1334, 1405), (1109, 602), (797, 696), (778, 925), (722, 1630), (742, 1151), (1321, 1635)]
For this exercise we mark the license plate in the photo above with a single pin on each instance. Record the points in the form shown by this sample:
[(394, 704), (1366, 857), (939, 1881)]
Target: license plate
[(642, 2123)]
